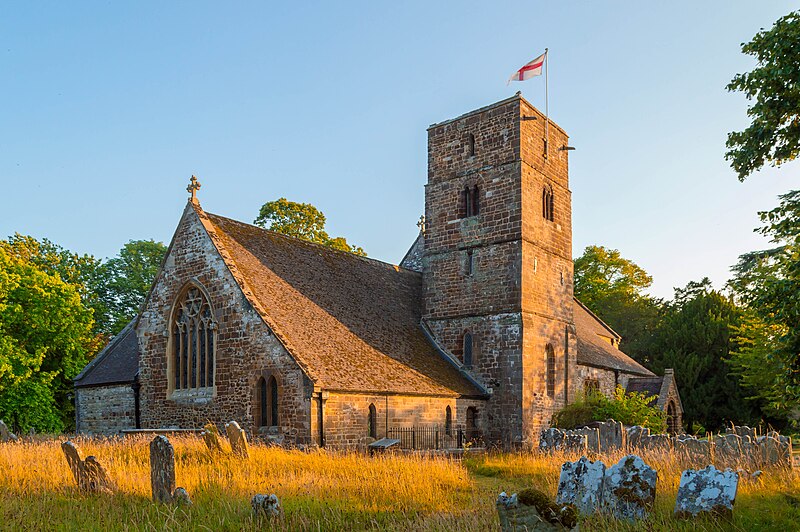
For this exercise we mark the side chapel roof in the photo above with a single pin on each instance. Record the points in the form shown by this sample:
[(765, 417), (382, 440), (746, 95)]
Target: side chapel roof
[(594, 351), (118, 363), (351, 323)]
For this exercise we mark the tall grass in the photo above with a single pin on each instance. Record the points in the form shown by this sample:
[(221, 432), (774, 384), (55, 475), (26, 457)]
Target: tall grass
[(330, 490)]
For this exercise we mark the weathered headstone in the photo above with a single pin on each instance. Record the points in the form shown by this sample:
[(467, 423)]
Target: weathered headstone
[(5, 434), (696, 451), (592, 439), (706, 490), (743, 431), (657, 443), (775, 449), (727, 448), (238, 439), (629, 489), (532, 510), (89, 474), (181, 497), (575, 441), (162, 469), (581, 484), (635, 435), (211, 438), (266, 506), (551, 439)]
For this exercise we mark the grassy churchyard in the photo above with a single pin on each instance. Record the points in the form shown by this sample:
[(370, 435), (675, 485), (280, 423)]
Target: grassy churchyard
[(323, 490)]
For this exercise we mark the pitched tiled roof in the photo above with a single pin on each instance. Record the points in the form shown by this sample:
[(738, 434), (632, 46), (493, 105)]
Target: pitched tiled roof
[(352, 323), (118, 363), (645, 385), (595, 351)]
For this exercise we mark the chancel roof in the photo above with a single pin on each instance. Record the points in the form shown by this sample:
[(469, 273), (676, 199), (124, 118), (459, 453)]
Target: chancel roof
[(351, 323)]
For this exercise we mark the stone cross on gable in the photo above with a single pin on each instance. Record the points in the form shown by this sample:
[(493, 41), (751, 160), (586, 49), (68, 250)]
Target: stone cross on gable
[(193, 187), (421, 224)]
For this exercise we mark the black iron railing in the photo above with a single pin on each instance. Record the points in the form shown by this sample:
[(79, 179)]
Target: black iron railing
[(434, 437)]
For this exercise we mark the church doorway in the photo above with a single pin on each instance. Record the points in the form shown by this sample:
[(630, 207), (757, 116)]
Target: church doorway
[(672, 419), (472, 424)]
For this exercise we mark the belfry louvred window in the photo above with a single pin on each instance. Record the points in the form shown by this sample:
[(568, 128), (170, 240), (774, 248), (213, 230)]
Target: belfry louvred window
[(194, 341)]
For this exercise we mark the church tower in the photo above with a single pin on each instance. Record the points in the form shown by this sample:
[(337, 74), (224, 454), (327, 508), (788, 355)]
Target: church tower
[(497, 262)]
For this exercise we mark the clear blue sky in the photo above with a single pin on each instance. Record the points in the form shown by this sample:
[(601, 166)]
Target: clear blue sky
[(109, 107)]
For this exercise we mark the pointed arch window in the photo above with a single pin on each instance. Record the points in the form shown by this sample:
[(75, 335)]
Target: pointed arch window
[(467, 349), (372, 421), (550, 361), (547, 203), (194, 341), (272, 394), (448, 421)]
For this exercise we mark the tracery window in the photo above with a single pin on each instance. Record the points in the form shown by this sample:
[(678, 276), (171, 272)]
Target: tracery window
[(194, 342)]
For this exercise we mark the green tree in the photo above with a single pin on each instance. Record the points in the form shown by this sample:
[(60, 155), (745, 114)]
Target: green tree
[(768, 282), (301, 220), (84, 272), (613, 288), (124, 281), (45, 339), (695, 338), (774, 133)]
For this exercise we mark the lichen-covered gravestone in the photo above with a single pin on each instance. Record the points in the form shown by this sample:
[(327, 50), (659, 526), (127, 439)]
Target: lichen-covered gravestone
[(635, 435), (531, 510), (266, 505), (5, 434), (211, 438), (89, 474), (238, 439), (706, 490), (581, 484), (629, 489), (162, 473)]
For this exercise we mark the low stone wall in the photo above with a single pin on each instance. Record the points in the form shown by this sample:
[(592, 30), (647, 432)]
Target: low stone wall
[(740, 446)]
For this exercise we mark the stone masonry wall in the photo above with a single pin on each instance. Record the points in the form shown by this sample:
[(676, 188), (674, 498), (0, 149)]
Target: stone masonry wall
[(105, 410), (246, 348), (517, 297)]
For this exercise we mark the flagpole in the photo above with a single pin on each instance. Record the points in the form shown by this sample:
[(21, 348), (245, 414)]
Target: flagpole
[(546, 104)]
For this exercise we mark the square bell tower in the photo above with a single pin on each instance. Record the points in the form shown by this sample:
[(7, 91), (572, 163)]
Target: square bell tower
[(497, 262)]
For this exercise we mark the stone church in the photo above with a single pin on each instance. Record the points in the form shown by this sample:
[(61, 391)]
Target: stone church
[(476, 330)]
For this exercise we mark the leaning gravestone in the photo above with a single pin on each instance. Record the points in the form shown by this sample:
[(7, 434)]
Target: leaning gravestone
[(89, 474), (533, 511), (211, 438), (706, 490), (635, 435), (5, 434), (266, 505), (238, 439), (581, 484), (629, 489), (162, 472)]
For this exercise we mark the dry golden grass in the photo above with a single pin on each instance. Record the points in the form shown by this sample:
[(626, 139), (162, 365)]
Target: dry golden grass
[(330, 491)]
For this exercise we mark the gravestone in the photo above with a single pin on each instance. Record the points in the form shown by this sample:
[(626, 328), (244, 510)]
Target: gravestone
[(5, 434), (89, 474), (727, 448), (532, 511), (696, 451), (706, 490), (211, 438), (162, 473), (657, 443), (238, 439), (635, 435), (743, 431), (629, 489), (774, 449), (581, 484), (551, 439), (592, 440), (612, 434), (266, 506)]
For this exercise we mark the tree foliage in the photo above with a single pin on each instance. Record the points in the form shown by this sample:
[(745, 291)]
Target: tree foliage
[(768, 282), (773, 135), (629, 408), (301, 220), (695, 339), (46, 338), (124, 281), (613, 288)]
